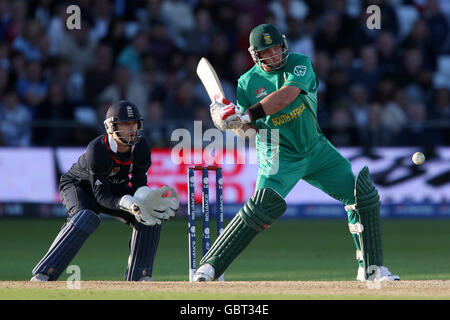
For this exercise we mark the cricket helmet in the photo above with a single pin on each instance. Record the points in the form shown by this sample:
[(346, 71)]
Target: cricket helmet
[(123, 111), (265, 36)]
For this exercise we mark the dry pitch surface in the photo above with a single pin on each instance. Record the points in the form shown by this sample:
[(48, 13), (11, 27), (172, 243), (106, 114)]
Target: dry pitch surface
[(432, 289)]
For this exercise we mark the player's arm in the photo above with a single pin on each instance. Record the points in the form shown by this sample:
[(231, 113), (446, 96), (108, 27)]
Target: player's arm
[(278, 100), (99, 179)]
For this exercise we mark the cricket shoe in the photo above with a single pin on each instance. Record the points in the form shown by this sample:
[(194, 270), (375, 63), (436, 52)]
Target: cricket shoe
[(204, 273), (146, 279), (381, 274), (40, 277)]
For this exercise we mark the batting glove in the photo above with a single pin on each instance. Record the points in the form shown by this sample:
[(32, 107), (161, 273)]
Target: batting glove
[(225, 114)]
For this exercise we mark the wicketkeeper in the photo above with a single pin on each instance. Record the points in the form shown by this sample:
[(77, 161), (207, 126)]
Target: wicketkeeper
[(99, 183), (280, 92)]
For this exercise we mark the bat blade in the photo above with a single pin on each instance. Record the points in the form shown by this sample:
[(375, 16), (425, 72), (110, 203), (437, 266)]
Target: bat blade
[(209, 78)]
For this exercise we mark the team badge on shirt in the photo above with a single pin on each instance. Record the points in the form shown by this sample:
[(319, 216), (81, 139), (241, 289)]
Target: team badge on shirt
[(267, 38), (261, 92), (114, 171), (300, 70)]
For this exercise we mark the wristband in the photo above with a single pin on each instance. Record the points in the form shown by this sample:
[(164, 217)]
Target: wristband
[(256, 111)]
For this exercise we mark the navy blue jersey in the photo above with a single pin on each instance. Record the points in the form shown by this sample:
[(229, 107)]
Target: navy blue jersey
[(106, 174)]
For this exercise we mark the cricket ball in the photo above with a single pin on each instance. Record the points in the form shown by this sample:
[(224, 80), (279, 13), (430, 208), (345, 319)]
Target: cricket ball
[(418, 158)]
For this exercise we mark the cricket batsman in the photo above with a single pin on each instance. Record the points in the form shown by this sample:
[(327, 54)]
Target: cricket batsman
[(280, 93), (99, 183)]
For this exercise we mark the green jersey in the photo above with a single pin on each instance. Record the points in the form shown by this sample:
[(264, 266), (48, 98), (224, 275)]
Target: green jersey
[(298, 131)]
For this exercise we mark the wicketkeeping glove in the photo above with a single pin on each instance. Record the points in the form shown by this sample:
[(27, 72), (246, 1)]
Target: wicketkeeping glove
[(136, 207)]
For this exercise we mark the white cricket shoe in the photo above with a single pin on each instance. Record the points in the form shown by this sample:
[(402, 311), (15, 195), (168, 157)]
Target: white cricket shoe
[(381, 274), (40, 277), (146, 279), (204, 273)]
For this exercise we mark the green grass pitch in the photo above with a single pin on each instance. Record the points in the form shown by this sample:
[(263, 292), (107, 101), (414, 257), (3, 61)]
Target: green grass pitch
[(300, 250)]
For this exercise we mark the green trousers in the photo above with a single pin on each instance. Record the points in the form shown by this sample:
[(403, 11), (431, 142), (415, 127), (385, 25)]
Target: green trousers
[(322, 167)]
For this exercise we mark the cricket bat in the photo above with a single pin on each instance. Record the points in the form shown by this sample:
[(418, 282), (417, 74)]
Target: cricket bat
[(210, 80)]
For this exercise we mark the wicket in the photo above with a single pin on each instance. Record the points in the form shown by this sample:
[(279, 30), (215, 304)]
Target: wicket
[(206, 240)]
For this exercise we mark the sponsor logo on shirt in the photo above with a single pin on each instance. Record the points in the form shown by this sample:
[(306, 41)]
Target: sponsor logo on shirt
[(261, 92)]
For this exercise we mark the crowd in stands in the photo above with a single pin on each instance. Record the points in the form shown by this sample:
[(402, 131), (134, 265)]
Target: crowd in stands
[(378, 87)]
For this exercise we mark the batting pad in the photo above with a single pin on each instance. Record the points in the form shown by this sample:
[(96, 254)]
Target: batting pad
[(67, 244), (260, 211), (367, 205), (143, 245)]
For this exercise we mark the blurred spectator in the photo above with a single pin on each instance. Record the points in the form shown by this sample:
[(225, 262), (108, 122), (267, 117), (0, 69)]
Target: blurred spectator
[(367, 72), (4, 56), (55, 118), (259, 9), (394, 116), (32, 88), (131, 54), (16, 20), (43, 12), (101, 18), (359, 106), (4, 81), (78, 48), (184, 102), (179, 18), (15, 121), (219, 55), (329, 38), (388, 58), (442, 113), (57, 29), (100, 76), (344, 58), (416, 133), (438, 25), (160, 44), (342, 131), (337, 87), (419, 38), (377, 135), (413, 74), (28, 43), (244, 25), (199, 39), (125, 87), (154, 128), (148, 14), (116, 37), (284, 9), (299, 39)]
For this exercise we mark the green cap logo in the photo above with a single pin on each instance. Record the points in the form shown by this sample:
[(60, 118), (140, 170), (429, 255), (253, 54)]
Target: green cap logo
[(267, 38)]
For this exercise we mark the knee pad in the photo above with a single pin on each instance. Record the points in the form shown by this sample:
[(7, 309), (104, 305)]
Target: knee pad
[(262, 209)]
